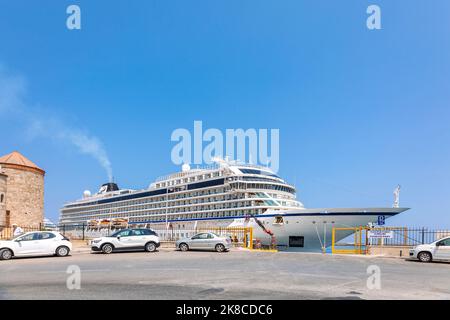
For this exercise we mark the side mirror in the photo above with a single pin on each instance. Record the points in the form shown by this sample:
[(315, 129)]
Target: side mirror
[(118, 237)]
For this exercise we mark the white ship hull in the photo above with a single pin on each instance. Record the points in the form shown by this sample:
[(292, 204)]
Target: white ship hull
[(313, 226)]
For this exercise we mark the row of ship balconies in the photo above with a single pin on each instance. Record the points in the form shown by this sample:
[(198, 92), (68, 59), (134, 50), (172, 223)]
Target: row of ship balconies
[(199, 214), (199, 197), (178, 196), (178, 208), (149, 203), (186, 178)]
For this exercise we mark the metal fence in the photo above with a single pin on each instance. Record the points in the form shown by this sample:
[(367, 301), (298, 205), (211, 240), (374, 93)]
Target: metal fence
[(411, 236), (363, 238), (239, 236), (402, 236), (83, 232), (7, 233)]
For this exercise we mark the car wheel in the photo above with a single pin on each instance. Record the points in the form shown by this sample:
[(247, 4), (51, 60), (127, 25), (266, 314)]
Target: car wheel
[(107, 248), (62, 251), (6, 254), (220, 248), (184, 247), (150, 247), (425, 257)]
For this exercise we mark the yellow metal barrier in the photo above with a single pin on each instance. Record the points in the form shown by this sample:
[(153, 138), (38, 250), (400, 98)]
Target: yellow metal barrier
[(359, 246), (361, 242), (240, 236)]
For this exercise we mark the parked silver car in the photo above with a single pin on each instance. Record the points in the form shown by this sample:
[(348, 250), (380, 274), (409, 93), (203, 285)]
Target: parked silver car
[(205, 241)]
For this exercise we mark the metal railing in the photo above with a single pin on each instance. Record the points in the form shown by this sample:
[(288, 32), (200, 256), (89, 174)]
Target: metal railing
[(359, 241), (82, 231), (241, 237), (409, 237), (7, 233)]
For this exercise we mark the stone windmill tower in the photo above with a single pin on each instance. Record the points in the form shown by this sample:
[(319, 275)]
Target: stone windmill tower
[(21, 191)]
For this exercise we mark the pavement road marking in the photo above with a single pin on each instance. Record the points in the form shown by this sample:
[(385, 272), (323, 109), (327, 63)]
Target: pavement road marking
[(82, 270)]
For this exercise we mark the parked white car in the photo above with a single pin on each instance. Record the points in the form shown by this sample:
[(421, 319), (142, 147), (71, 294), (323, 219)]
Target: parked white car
[(438, 250), (39, 243), (127, 240)]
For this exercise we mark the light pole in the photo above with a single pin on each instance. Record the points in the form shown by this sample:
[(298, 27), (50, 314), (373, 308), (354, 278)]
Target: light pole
[(110, 219)]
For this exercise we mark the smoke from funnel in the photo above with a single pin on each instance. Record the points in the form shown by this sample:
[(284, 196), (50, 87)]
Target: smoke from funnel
[(93, 147), (12, 104)]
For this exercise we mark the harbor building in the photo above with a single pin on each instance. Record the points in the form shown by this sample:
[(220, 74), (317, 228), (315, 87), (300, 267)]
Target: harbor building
[(21, 191)]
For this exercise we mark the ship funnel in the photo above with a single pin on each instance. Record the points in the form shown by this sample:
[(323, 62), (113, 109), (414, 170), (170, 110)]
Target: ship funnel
[(109, 187)]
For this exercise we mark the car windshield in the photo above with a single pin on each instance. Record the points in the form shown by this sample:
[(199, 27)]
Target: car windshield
[(209, 235), (444, 242), (15, 238), (28, 237), (118, 233)]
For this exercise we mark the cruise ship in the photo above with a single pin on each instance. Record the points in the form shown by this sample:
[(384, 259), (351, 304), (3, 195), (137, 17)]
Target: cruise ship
[(224, 194)]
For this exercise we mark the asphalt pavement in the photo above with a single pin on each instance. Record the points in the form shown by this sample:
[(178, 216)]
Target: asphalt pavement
[(241, 275)]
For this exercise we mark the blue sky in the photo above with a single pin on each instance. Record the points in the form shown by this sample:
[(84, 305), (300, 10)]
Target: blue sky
[(359, 111)]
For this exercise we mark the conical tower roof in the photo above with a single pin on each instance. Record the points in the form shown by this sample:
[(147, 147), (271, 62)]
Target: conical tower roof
[(18, 161)]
